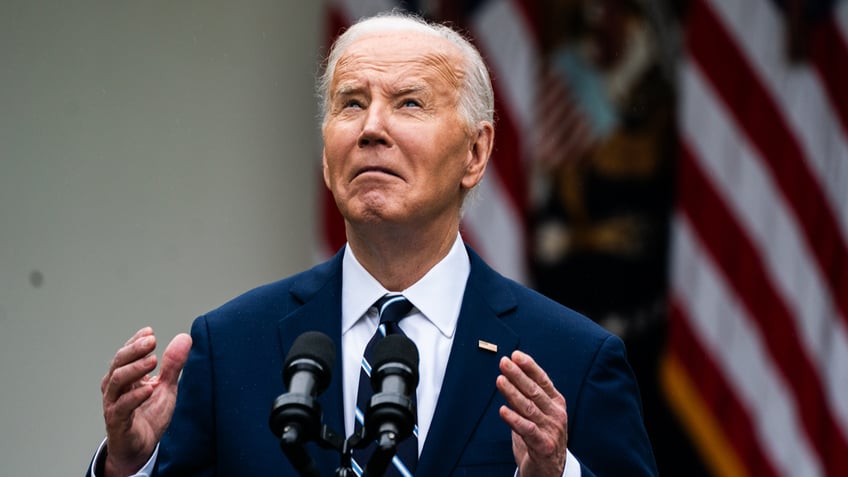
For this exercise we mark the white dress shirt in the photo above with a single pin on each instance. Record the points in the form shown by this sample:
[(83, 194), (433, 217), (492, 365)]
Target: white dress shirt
[(437, 298)]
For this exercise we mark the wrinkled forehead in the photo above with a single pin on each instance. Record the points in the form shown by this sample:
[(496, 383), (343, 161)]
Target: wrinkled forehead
[(402, 52)]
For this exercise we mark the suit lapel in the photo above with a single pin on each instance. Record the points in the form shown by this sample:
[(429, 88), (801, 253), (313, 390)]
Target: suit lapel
[(469, 382)]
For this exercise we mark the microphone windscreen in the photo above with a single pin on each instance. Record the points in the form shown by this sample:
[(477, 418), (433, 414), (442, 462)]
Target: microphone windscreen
[(313, 345), (396, 348)]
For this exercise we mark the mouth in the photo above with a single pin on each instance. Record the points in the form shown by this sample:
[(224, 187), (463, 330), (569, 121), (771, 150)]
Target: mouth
[(376, 170)]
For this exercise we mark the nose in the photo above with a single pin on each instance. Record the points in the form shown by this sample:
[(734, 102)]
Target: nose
[(374, 128)]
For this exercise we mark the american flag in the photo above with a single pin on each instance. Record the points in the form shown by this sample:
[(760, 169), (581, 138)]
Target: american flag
[(495, 224), (758, 347)]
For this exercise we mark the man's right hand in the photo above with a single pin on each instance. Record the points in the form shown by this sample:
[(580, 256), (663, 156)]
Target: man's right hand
[(137, 407)]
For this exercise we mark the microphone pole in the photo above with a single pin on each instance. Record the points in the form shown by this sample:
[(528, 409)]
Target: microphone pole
[(296, 415)]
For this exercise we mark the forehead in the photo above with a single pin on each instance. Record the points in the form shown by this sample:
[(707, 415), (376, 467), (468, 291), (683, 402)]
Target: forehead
[(401, 54)]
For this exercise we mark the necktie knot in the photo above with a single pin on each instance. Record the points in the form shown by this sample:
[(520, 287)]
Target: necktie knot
[(392, 308)]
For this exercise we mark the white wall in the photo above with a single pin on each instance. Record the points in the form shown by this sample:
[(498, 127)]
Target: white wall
[(156, 159)]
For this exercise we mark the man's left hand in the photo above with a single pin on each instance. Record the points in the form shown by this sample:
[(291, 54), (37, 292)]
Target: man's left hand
[(537, 415)]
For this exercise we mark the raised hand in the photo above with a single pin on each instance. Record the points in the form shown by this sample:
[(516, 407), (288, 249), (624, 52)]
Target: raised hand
[(537, 415), (137, 407)]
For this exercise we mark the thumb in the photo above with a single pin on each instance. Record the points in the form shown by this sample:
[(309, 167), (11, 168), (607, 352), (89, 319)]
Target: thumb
[(174, 358)]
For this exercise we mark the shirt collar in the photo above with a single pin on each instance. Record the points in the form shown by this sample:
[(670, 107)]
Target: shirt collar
[(437, 295)]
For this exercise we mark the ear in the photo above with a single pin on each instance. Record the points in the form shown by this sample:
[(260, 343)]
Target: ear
[(479, 152), (324, 169)]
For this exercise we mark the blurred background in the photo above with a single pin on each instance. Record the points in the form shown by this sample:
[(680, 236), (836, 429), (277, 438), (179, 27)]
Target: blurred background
[(676, 170)]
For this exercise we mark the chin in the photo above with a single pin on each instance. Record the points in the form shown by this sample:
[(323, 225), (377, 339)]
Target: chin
[(371, 206), (374, 216)]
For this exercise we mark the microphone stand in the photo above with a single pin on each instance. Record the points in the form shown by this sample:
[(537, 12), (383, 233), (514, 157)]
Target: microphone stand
[(379, 461), (296, 417), (345, 469), (291, 443), (382, 456)]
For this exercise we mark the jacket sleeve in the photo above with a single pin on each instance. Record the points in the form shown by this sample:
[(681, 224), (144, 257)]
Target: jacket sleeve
[(606, 420)]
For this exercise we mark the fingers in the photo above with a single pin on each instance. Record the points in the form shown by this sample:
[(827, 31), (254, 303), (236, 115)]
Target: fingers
[(529, 385), (174, 358), (535, 409), (136, 409), (131, 362), (121, 410), (139, 345), (146, 331)]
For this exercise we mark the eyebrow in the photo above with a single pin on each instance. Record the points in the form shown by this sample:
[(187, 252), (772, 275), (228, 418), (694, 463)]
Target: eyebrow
[(346, 89), (411, 89)]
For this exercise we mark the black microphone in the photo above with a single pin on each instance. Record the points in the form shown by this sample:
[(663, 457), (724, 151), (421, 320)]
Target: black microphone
[(390, 416), (296, 415)]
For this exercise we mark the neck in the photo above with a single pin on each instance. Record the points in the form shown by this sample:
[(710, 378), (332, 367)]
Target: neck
[(397, 256)]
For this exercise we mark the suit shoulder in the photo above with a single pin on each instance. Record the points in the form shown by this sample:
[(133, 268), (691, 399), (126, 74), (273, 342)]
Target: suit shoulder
[(547, 311), (547, 327), (527, 311), (276, 298)]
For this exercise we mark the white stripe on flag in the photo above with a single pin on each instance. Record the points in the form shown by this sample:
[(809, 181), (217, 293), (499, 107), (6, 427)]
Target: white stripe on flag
[(757, 27), (739, 176), (495, 227), (725, 332), (506, 40)]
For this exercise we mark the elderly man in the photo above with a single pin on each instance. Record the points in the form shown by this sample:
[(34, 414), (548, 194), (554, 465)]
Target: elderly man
[(408, 132)]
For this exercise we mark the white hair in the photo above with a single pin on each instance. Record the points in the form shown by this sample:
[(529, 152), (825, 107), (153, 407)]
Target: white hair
[(476, 98)]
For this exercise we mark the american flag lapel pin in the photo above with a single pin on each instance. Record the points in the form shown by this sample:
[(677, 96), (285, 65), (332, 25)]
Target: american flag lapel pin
[(487, 346)]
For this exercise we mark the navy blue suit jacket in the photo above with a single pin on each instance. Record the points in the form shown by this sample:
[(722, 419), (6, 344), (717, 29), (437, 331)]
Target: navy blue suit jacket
[(220, 425)]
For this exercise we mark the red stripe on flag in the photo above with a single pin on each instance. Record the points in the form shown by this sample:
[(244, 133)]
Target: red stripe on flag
[(532, 12), (756, 112), (716, 393), (742, 268), (336, 22), (332, 222)]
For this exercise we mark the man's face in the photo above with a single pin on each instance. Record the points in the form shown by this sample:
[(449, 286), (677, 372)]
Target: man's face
[(396, 149)]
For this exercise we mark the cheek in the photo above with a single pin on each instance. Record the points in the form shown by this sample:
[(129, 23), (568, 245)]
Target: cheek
[(340, 137), (333, 172), (453, 157), (334, 153)]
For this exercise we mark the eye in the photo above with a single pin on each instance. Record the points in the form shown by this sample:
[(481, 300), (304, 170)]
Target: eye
[(411, 103), (353, 103)]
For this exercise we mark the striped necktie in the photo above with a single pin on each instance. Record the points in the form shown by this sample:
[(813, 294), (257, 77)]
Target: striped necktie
[(391, 308)]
